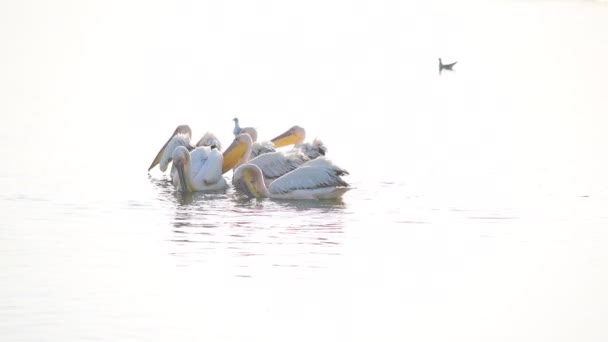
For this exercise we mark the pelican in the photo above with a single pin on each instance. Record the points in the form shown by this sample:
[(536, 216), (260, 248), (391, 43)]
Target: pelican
[(273, 164), (257, 148), (198, 170), (445, 66), (181, 137), (238, 152), (316, 179), (295, 136), (202, 168)]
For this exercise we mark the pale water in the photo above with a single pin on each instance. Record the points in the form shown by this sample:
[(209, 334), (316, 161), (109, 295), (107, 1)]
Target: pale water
[(479, 202)]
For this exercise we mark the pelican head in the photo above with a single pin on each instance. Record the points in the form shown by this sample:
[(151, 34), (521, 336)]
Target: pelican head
[(181, 161), (248, 179), (253, 133), (239, 150), (181, 135), (294, 135)]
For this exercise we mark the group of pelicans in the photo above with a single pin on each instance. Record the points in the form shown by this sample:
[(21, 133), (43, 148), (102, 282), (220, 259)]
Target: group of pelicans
[(259, 168)]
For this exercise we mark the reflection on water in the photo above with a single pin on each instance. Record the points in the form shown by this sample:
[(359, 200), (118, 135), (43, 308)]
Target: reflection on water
[(253, 232)]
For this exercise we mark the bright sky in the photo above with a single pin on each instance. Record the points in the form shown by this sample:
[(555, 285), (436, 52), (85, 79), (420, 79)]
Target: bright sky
[(529, 82)]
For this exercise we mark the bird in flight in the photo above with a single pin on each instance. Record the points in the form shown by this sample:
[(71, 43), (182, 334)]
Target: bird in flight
[(445, 66)]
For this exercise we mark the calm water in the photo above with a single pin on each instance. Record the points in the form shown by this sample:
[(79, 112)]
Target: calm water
[(479, 204)]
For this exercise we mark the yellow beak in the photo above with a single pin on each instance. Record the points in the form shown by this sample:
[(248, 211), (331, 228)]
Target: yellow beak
[(233, 155), (285, 139), (253, 192), (182, 129)]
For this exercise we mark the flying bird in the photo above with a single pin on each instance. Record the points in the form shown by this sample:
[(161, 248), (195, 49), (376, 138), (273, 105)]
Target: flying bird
[(445, 66)]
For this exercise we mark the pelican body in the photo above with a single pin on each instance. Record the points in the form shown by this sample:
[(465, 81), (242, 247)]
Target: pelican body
[(198, 170), (181, 137), (195, 168), (316, 179), (202, 168), (273, 165)]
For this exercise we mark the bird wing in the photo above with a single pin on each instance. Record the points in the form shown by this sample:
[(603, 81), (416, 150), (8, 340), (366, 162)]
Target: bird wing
[(198, 158), (211, 171), (276, 164), (307, 178), (325, 163)]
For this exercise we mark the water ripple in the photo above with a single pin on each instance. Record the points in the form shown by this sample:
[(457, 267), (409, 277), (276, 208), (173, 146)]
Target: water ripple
[(247, 233)]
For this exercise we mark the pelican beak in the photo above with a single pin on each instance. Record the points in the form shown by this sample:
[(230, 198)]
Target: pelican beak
[(159, 155), (183, 186), (250, 189), (181, 129), (285, 139), (233, 155)]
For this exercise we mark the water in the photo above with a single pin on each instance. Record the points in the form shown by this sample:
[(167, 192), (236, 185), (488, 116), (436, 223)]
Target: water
[(479, 204)]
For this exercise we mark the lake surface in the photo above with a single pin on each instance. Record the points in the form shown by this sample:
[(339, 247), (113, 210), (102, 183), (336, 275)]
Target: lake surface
[(479, 202)]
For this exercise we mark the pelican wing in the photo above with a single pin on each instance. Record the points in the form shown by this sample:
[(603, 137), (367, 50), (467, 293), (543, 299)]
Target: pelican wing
[(276, 164), (307, 178), (209, 139), (206, 169), (259, 148), (325, 163), (198, 158), (211, 172)]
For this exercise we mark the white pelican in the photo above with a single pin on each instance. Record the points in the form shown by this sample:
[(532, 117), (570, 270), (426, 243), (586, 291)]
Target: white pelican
[(276, 164), (181, 137), (257, 148), (273, 164), (198, 170), (295, 136), (316, 179), (238, 152), (202, 168)]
